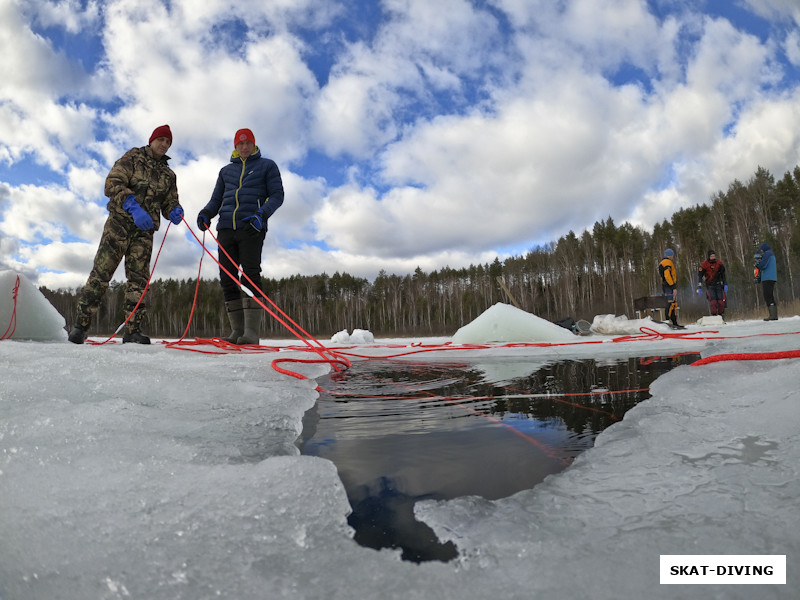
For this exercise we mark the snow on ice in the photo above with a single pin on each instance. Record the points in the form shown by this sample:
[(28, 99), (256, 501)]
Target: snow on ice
[(151, 472)]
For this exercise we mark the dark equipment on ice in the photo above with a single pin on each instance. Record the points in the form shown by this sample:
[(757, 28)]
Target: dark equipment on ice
[(756, 273)]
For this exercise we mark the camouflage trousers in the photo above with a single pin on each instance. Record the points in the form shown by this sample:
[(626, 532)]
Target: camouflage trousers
[(121, 239)]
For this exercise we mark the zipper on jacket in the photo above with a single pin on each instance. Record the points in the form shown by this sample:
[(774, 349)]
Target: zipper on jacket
[(236, 193)]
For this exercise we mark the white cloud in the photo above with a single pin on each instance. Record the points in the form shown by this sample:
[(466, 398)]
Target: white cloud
[(50, 212), (775, 9), (729, 62), (353, 116), (792, 47), (177, 74), (21, 49), (422, 49), (294, 220), (72, 15), (460, 138), (32, 120)]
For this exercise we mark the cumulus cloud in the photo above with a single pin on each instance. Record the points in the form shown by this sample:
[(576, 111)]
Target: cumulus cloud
[(775, 9), (408, 133), (72, 15)]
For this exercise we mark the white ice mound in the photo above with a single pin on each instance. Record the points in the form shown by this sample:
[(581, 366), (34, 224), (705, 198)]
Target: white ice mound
[(505, 323), (36, 318), (359, 336)]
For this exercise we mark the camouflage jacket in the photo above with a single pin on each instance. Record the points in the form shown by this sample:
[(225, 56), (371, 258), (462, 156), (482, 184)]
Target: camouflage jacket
[(148, 178)]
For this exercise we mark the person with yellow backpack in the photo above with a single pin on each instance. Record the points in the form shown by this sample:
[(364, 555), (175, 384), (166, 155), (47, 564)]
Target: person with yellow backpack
[(669, 281)]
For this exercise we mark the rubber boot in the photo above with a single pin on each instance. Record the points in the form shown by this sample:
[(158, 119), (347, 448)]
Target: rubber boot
[(673, 313), (252, 322), (78, 334), (133, 329), (236, 317), (773, 312), (135, 337)]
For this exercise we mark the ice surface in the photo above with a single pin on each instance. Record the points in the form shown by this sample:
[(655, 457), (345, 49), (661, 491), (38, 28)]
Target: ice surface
[(506, 323), (148, 472), (36, 318)]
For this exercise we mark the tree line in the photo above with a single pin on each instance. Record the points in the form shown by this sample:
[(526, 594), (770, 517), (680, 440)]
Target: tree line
[(599, 271)]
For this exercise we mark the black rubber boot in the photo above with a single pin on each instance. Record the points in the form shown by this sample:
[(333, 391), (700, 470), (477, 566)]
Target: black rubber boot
[(773, 312), (135, 337), (236, 317), (252, 322), (673, 316), (78, 334)]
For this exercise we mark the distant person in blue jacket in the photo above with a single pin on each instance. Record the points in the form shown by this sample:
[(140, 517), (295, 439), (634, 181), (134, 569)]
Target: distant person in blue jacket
[(249, 190), (768, 272)]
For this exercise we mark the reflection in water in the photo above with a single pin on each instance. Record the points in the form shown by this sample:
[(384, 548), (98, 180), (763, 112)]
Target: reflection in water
[(399, 432)]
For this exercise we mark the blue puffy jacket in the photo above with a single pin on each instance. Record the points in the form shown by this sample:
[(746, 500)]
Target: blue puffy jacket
[(767, 266), (244, 188)]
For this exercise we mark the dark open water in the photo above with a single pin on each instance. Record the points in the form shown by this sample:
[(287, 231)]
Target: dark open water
[(399, 432)]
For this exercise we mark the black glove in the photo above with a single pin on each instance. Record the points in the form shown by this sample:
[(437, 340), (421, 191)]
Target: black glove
[(257, 221), (203, 220)]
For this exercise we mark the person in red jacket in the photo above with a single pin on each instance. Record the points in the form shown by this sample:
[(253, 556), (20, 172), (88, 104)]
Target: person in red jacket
[(713, 271)]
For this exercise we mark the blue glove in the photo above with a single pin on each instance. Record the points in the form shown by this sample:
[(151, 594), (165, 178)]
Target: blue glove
[(175, 215), (257, 221), (203, 222), (726, 288), (140, 216), (699, 289)]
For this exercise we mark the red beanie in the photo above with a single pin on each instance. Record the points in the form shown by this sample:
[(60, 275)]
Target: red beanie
[(162, 131), (243, 135)]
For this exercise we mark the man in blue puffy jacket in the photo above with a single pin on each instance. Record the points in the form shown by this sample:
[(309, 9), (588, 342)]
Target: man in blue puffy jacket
[(248, 191), (768, 270)]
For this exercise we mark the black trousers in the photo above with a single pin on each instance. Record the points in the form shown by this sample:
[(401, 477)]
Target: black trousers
[(768, 287), (244, 246)]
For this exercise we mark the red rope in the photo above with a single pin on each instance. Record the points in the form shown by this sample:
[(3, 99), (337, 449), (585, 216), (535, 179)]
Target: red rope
[(747, 356), (326, 354), (12, 325)]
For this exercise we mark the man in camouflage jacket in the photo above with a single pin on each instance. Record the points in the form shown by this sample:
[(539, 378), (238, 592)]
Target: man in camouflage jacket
[(139, 186)]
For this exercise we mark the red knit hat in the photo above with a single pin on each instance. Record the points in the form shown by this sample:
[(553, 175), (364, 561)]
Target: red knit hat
[(243, 135), (162, 131)]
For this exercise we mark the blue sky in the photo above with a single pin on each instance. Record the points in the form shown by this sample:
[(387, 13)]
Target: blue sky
[(408, 132)]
